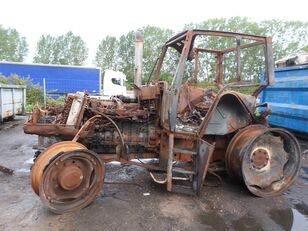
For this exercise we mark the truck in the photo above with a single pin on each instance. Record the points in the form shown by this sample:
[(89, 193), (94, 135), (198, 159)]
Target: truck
[(114, 83), (204, 121), (57, 80), (60, 80)]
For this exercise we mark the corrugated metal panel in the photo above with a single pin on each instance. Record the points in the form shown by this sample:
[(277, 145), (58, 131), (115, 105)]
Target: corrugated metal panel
[(288, 98), (59, 79), (12, 101)]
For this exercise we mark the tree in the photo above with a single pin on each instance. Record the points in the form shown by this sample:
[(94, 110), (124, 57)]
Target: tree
[(208, 62), (45, 50), (154, 39), (126, 56), (119, 54), (67, 49), (106, 54), (73, 49), (289, 37), (13, 47)]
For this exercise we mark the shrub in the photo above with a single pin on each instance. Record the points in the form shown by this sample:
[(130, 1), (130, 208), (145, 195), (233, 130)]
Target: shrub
[(34, 92), (59, 102)]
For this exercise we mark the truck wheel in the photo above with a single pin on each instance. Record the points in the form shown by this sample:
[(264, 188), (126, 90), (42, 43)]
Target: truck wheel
[(267, 160), (67, 176)]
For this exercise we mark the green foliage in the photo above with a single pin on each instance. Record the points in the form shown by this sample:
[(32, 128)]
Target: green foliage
[(154, 39), (126, 56), (67, 49), (46, 50), (14, 80), (59, 102), (107, 60), (34, 93), (119, 54), (245, 90), (13, 47), (288, 37), (205, 84), (252, 58)]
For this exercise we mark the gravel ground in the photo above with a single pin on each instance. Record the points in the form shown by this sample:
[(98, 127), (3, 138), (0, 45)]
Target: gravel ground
[(226, 206)]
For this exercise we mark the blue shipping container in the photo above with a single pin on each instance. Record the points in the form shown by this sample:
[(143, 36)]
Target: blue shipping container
[(59, 79), (288, 98)]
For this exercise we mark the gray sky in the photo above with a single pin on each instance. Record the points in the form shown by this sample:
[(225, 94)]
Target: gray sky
[(94, 19)]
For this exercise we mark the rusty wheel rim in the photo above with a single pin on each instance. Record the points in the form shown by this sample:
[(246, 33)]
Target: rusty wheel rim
[(277, 164), (48, 155), (267, 160), (67, 180), (61, 191)]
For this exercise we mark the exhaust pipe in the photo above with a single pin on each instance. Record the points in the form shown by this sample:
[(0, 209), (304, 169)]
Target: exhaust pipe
[(138, 59)]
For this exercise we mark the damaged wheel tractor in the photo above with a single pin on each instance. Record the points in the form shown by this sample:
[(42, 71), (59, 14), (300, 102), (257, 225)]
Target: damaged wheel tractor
[(186, 129), (67, 176)]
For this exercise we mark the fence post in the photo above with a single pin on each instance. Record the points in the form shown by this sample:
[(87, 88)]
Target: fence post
[(44, 87)]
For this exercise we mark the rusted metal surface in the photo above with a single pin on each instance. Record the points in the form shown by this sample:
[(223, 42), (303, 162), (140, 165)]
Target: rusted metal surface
[(204, 157), (189, 130), (49, 129), (66, 110), (138, 59), (43, 160), (266, 159), (195, 98), (148, 92), (170, 162), (67, 176), (259, 158)]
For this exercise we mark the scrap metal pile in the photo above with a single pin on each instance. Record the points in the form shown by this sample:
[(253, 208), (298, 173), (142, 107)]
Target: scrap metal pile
[(186, 130)]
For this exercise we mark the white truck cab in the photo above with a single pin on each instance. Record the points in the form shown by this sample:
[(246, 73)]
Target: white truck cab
[(114, 83)]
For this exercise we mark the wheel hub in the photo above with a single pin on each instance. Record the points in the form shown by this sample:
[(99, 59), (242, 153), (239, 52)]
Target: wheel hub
[(259, 158), (70, 177), (67, 176)]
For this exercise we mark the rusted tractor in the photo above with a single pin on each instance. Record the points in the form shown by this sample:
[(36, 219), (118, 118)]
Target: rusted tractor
[(187, 130)]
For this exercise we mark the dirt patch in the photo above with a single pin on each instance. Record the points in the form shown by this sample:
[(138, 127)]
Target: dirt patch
[(176, 206)]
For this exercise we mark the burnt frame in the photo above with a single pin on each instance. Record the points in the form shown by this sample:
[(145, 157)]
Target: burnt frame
[(184, 44)]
